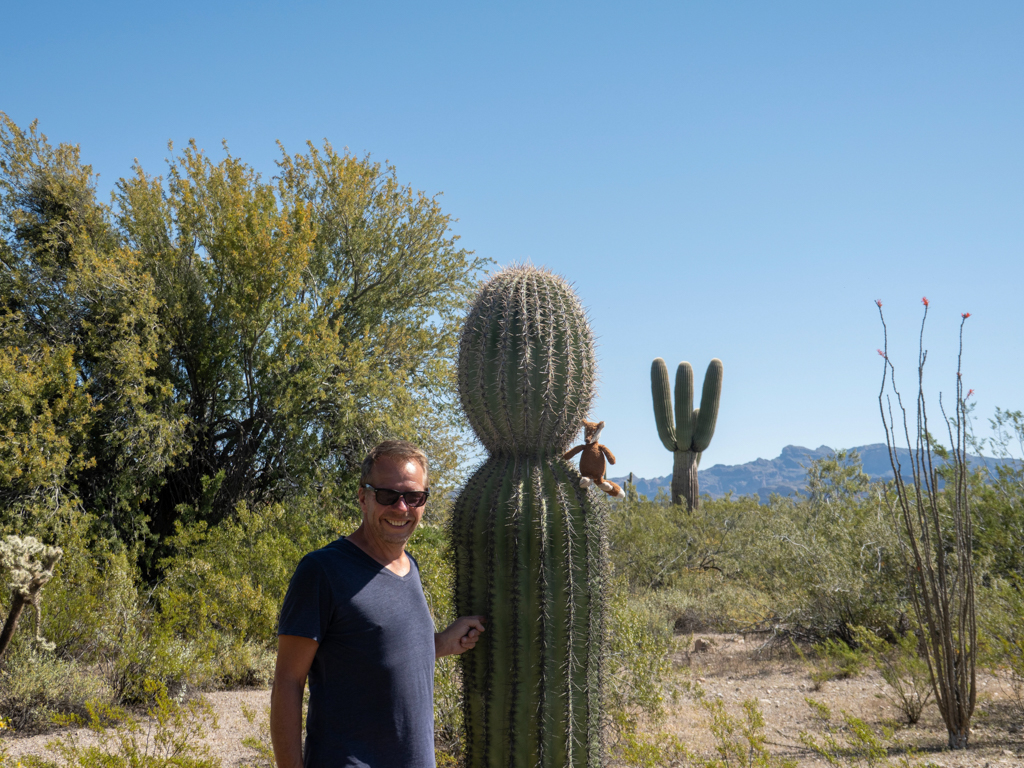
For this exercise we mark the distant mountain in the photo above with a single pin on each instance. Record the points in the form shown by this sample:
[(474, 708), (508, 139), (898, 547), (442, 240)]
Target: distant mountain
[(785, 475)]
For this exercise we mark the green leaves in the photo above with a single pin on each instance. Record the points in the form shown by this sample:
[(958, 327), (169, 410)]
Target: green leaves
[(214, 324), (307, 317)]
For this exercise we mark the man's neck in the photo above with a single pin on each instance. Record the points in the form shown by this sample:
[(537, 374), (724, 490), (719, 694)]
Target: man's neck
[(391, 557)]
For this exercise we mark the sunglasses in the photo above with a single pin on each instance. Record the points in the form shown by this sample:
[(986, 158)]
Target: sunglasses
[(386, 497)]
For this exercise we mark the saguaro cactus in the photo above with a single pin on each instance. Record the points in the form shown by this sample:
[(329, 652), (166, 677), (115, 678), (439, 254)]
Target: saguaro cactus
[(529, 545), (691, 434)]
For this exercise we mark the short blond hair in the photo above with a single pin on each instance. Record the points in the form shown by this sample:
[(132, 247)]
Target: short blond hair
[(393, 449)]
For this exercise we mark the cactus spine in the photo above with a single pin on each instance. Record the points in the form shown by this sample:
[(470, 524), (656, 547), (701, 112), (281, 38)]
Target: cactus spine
[(693, 429), (528, 544)]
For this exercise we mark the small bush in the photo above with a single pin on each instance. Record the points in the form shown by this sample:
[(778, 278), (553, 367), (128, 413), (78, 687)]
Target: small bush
[(902, 668), (638, 663), (831, 660), (170, 738), (259, 741), (36, 685), (740, 742), (854, 743), (839, 661)]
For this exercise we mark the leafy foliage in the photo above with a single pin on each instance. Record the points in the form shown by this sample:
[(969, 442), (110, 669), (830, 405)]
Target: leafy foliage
[(87, 418), (306, 317), (902, 668), (852, 742), (172, 737), (810, 568)]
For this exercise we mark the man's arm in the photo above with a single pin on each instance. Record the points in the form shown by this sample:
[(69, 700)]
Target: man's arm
[(294, 658), (460, 637)]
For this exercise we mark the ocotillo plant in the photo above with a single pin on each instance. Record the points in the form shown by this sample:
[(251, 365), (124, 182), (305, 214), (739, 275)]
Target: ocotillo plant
[(938, 538), (691, 433), (529, 546)]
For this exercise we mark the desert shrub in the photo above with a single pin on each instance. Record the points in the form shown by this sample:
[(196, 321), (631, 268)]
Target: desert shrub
[(638, 667), (1001, 628), (654, 544), (901, 666), (690, 566), (999, 500), (231, 578), (852, 742), (258, 741), (839, 661), (739, 742), (92, 597), (36, 685), (809, 567), (830, 660), (171, 737), (830, 561)]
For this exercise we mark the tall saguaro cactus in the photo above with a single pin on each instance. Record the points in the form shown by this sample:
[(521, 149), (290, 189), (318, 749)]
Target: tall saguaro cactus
[(529, 546), (691, 433)]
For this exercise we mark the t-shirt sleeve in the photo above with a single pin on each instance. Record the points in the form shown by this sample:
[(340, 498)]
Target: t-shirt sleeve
[(306, 611)]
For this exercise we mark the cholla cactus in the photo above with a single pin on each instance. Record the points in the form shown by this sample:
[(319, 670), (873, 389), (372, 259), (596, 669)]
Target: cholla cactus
[(29, 564), (529, 545)]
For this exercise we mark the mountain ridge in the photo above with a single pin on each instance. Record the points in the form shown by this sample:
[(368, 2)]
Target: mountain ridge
[(786, 474)]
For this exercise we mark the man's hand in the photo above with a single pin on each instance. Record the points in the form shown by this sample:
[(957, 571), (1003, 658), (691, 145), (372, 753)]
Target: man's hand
[(460, 637)]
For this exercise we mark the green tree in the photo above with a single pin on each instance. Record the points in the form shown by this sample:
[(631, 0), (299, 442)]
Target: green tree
[(306, 316), (82, 413)]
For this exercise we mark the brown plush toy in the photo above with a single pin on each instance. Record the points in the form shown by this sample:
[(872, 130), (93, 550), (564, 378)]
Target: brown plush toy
[(592, 460)]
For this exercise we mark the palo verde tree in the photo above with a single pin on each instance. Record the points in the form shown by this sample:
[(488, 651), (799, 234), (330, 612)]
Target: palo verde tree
[(83, 416), (306, 317)]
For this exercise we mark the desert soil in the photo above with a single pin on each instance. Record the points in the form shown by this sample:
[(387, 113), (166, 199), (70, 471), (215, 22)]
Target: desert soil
[(733, 669)]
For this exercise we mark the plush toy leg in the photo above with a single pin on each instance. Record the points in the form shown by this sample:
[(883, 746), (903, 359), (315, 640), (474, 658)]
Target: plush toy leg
[(585, 482), (612, 489)]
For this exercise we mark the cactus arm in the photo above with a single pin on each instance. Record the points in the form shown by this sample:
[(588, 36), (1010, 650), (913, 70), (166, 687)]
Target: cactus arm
[(684, 406), (607, 454), (704, 418), (569, 454), (661, 394)]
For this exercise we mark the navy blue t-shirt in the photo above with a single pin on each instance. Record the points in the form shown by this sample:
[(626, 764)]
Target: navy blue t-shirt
[(371, 684)]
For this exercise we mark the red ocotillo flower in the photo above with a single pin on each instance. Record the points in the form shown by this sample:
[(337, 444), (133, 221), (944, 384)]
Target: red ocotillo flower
[(965, 315), (878, 302), (969, 393), (924, 300)]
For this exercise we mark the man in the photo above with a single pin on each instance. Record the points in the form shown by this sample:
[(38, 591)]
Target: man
[(356, 623)]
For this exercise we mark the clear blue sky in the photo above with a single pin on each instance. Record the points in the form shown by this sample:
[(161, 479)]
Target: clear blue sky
[(732, 180)]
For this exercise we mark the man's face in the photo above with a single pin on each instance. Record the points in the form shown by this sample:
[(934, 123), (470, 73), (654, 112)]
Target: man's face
[(392, 525)]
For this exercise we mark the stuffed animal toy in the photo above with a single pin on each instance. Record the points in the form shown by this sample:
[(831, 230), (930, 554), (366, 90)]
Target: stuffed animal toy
[(592, 460)]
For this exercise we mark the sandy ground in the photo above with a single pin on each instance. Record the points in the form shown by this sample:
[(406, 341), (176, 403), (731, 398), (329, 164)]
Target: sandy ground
[(225, 741), (732, 670)]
